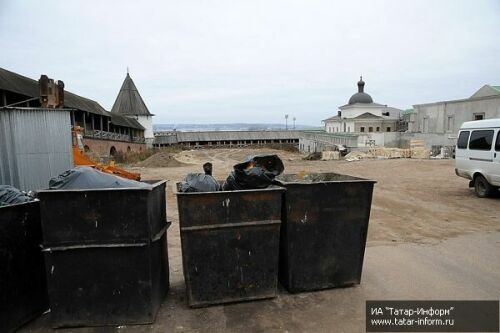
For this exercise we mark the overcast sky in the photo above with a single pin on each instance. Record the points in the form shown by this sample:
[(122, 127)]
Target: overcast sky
[(255, 61)]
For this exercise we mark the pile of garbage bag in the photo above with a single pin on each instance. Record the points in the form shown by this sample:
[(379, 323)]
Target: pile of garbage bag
[(256, 172), (200, 182), (10, 195), (85, 177)]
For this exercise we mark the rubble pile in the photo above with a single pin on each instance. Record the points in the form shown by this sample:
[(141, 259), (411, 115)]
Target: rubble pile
[(387, 153)]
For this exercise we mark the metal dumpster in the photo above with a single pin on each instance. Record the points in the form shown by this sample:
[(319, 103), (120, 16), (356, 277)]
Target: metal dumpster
[(108, 284), (118, 215), (324, 229), (23, 288), (230, 244), (98, 271)]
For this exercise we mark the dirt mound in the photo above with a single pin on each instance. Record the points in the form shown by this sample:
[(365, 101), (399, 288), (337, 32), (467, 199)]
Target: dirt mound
[(160, 160)]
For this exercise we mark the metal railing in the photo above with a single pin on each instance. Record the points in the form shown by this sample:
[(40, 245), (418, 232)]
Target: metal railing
[(103, 135)]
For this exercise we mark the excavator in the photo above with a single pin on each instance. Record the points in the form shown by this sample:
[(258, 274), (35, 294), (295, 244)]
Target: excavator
[(79, 158)]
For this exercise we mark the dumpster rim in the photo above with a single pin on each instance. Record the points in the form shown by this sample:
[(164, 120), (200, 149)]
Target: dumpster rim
[(20, 203), (276, 188), (78, 190), (354, 180)]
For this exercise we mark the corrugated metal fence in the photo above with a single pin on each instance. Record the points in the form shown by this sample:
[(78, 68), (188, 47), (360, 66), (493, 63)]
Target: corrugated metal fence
[(35, 145)]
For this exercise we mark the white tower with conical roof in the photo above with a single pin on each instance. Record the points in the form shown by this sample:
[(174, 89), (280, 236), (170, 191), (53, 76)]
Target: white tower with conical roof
[(129, 103)]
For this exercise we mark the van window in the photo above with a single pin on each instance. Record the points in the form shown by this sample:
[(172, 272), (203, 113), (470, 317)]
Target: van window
[(463, 138), (497, 144), (481, 140)]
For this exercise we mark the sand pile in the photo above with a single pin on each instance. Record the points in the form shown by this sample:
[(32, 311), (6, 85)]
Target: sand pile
[(161, 160)]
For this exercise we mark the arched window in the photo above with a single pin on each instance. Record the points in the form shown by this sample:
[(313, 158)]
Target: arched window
[(112, 151)]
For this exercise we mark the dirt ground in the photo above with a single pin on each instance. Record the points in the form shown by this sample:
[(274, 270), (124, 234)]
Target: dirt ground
[(417, 201), (429, 237)]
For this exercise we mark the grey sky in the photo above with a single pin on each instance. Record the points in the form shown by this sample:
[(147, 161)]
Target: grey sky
[(255, 61)]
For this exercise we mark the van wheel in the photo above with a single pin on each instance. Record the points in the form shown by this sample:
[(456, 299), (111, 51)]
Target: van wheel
[(482, 187)]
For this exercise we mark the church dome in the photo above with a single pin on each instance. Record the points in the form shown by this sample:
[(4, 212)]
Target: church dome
[(360, 96)]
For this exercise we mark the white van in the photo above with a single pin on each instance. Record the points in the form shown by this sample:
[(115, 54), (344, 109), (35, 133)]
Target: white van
[(478, 155)]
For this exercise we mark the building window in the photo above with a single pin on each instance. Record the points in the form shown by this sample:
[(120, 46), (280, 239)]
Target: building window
[(348, 128), (449, 125), (388, 129), (478, 116), (378, 129), (361, 129), (370, 129)]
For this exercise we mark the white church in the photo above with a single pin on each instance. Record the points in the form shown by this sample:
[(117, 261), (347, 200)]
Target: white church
[(362, 115)]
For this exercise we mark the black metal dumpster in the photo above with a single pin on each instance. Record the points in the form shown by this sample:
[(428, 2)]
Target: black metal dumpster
[(119, 215), (323, 234), (98, 271), (23, 288), (109, 284), (230, 244)]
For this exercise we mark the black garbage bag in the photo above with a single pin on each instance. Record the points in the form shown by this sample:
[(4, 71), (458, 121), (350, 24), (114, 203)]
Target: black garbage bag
[(199, 182), (85, 177), (10, 195), (256, 172)]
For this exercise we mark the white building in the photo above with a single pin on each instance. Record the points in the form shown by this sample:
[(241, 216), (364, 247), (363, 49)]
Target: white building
[(435, 124), (129, 103), (446, 117), (362, 115)]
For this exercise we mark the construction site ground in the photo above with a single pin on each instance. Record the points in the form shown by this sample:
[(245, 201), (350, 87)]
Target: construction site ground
[(429, 237)]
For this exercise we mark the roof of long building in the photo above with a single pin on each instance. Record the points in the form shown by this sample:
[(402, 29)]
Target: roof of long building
[(129, 101), (23, 85), (229, 136)]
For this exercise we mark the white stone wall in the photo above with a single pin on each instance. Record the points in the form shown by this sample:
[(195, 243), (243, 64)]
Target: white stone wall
[(317, 142), (349, 125), (447, 117), (147, 123), (357, 110), (338, 126)]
